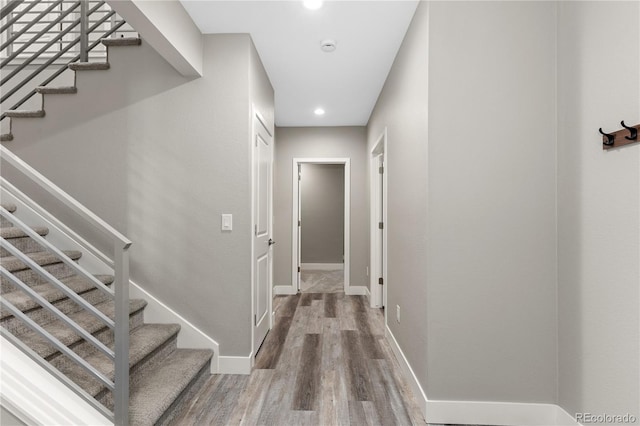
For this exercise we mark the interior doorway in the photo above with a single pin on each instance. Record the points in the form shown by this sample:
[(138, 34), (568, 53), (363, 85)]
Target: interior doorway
[(321, 212), (378, 221)]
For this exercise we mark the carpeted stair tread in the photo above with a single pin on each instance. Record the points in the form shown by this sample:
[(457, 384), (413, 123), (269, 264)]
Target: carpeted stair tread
[(154, 393), (13, 232), (122, 41), (9, 207), (63, 90), (6, 137), (89, 66), (51, 294), (25, 113), (143, 341), (42, 258), (67, 336)]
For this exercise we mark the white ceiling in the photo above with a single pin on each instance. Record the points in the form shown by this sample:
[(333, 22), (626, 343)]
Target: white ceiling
[(347, 82)]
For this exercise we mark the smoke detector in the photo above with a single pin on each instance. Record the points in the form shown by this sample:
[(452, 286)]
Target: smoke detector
[(328, 46)]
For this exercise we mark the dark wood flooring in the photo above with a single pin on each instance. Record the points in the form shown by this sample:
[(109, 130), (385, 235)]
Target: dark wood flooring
[(325, 362)]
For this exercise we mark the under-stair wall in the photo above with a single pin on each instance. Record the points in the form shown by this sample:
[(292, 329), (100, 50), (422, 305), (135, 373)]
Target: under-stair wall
[(160, 157)]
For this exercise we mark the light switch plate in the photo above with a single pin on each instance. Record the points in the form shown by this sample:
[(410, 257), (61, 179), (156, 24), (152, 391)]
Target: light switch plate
[(227, 222)]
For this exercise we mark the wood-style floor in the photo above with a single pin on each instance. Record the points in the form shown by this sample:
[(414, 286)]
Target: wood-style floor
[(325, 362)]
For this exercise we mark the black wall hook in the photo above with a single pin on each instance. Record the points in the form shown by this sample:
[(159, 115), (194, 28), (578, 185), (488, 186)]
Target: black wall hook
[(633, 132), (610, 138)]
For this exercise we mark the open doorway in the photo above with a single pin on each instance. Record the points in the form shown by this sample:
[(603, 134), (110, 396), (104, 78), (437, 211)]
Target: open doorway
[(321, 225)]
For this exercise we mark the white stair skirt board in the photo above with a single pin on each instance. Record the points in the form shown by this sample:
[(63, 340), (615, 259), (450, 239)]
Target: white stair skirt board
[(473, 412), (34, 396), (322, 266), (190, 336)]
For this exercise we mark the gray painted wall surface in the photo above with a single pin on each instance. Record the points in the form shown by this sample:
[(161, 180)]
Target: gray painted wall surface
[(598, 209), (320, 142), (322, 212), (471, 217), (161, 157), (492, 265)]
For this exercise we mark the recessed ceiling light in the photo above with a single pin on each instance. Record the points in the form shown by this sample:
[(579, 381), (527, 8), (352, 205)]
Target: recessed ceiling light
[(313, 4), (318, 111)]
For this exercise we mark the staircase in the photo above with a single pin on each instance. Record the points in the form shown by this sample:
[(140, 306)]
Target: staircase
[(66, 318), (161, 375)]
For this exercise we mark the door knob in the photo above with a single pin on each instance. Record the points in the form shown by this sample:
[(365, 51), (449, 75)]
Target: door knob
[(271, 242)]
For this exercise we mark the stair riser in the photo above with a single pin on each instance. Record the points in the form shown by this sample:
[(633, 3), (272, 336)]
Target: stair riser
[(83, 348), (24, 244), (4, 223), (137, 371), (43, 316), (31, 278), (186, 396)]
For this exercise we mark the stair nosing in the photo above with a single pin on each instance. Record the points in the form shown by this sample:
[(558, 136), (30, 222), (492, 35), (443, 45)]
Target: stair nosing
[(52, 294), (46, 259), (70, 337), (136, 356)]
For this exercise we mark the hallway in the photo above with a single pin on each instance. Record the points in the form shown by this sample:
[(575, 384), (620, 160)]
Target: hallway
[(325, 362)]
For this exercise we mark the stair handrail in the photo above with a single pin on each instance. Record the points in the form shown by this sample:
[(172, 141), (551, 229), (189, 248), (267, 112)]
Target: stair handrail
[(121, 245)]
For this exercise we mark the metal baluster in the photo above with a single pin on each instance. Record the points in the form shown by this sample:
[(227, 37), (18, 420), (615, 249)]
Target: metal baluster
[(84, 34)]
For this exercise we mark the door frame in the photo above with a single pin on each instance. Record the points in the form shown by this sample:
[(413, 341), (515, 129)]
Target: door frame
[(295, 249), (258, 119), (378, 298)]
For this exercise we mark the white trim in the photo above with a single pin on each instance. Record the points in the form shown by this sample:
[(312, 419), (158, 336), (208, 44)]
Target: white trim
[(356, 290), (34, 396), (418, 393), (280, 290), (189, 336), (295, 284), (497, 413), (323, 266), (479, 412), (235, 364)]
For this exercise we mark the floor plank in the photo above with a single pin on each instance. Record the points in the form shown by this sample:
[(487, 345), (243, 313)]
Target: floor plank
[(308, 377), (270, 351)]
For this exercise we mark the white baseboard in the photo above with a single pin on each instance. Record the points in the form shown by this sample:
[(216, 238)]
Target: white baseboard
[(357, 290), (189, 336), (323, 266), (483, 413), (34, 396), (284, 290), (418, 393), (497, 413), (235, 364)]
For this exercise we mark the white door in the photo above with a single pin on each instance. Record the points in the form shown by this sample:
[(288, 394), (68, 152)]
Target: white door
[(262, 255)]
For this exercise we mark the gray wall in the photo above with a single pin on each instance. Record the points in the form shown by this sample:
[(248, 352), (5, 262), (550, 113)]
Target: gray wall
[(161, 157), (598, 209), (320, 142), (470, 110), (322, 213)]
